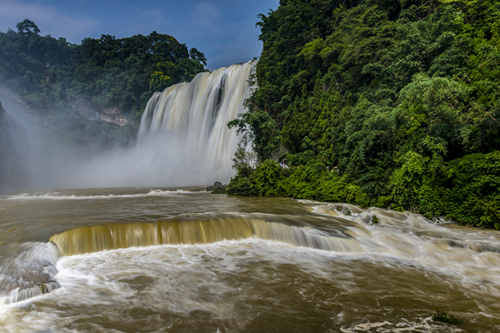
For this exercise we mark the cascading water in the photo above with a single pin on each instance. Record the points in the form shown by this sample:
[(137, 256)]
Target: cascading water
[(191, 118), (120, 236)]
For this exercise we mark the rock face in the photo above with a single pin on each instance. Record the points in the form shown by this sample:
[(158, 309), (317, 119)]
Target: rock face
[(114, 116)]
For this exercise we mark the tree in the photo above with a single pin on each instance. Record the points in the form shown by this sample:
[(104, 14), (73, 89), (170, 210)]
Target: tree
[(198, 56), (27, 27)]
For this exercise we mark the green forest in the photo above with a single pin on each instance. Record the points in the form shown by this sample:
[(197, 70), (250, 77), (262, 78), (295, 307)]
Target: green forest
[(387, 103), (54, 75)]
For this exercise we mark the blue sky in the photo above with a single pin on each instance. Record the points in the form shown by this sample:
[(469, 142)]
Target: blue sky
[(222, 29)]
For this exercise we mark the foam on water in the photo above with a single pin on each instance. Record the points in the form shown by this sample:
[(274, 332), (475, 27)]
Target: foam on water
[(186, 279), (178, 279), (470, 255), (422, 325), (62, 196)]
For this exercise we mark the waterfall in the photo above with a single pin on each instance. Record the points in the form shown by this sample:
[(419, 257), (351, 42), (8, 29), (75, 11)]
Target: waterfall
[(191, 119), (183, 140)]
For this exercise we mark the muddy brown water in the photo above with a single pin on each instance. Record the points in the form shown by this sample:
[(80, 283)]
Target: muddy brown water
[(167, 260)]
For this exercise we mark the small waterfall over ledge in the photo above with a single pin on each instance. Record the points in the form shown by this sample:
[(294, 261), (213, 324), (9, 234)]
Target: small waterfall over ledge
[(191, 119), (120, 236)]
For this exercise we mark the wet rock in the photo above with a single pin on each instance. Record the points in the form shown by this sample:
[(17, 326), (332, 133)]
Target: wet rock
[(19, 294), (366, 219), (446, 318), (370, 219), (217, 188), (346, 211), (456, 244)]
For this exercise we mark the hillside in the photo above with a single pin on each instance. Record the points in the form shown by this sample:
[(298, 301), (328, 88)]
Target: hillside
[(111, 76), (379, 103)]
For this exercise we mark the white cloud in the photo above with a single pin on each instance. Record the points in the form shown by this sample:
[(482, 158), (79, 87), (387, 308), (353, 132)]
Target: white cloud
[(49, 19)]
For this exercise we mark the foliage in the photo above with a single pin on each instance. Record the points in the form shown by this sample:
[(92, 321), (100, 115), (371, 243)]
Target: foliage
[(52, 74), (388, 103), (312, 181)]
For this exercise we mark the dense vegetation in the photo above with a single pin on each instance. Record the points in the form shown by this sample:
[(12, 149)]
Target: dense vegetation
[(392, 103), (108, 72)]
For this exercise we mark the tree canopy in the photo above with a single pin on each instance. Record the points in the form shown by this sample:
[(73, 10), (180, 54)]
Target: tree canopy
[(104, 72)]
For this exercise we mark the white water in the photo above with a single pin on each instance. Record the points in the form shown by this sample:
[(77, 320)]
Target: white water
[(29, 274), (182, 279), (472, 256), (179, 279)]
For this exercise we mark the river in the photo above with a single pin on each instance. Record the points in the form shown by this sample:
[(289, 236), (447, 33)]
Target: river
[(184, 260)]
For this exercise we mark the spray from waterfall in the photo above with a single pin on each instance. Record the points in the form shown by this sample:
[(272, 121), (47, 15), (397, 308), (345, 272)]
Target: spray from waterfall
[(183, 139), (32, 153)]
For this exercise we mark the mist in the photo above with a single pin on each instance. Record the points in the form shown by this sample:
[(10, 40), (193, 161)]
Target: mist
[(37, 155), (144, 164), (37, 158)]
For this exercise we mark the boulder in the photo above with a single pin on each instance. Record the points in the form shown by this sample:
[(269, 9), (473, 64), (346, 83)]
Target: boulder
[(217, 188)]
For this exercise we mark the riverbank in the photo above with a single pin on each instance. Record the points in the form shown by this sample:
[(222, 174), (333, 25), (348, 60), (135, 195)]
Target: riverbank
[(468, 192)]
